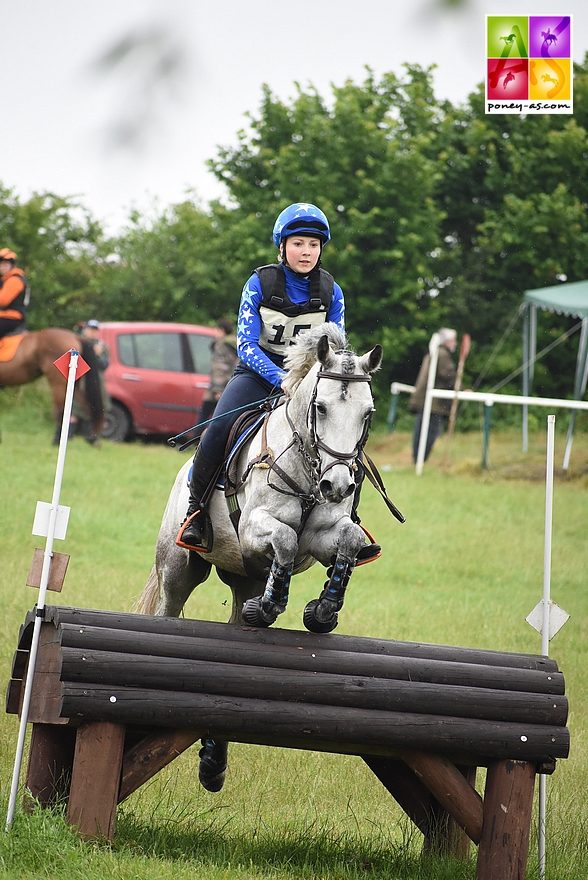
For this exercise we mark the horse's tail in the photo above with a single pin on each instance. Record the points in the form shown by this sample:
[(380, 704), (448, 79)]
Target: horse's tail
[(93, 387), (147, 601)]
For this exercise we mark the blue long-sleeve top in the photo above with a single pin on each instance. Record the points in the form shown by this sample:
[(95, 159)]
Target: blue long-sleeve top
[(269, 365)]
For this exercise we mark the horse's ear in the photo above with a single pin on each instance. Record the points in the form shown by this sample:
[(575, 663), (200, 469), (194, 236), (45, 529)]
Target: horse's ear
[(371, 361), (323, 350)]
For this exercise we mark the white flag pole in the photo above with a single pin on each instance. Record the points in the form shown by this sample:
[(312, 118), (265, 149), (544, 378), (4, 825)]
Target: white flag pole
[(40, 612), (546, 609), (426, 414)]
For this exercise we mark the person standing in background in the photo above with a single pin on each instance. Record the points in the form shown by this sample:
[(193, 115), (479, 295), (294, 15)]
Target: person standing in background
[(91, 330), (444, 378), (223, 361)]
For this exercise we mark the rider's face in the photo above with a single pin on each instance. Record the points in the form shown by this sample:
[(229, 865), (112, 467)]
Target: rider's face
[(5, 266), (302, 253)]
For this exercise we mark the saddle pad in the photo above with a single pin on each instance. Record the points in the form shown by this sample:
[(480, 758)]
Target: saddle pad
[(8, 346), (236, 447)]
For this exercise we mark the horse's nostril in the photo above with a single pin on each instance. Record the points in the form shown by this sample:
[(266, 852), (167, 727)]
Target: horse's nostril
[(326, 487), (349, 490)]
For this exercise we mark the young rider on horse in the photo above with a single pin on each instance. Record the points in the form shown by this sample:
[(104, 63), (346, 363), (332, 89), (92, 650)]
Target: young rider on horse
[(13, 293), (277, 302)]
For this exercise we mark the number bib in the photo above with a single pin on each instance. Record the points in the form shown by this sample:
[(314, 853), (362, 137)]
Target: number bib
[(278, 330)]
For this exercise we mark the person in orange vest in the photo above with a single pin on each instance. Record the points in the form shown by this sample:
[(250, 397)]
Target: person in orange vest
[(14, 293)]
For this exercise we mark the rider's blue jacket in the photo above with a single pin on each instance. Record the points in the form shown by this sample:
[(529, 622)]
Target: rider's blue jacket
[(264, 333)]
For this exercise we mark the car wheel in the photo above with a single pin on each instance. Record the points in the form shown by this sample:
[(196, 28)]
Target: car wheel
[(117, 423)]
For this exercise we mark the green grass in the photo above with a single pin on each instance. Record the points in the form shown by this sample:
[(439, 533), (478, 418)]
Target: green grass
[(465, 569)]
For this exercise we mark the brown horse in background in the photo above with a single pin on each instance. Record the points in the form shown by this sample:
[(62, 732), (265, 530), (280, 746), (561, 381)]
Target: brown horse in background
[(35, 357)]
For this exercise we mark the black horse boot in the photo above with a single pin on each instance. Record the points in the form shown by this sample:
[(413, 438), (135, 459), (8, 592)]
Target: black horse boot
[(194, 532), (213, 764)]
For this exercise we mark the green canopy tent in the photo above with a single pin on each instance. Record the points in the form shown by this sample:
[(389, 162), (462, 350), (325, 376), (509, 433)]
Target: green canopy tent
[(565, 299)]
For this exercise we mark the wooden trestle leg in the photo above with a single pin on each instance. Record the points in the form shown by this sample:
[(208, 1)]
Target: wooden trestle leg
[(508, 804), (95, 780)]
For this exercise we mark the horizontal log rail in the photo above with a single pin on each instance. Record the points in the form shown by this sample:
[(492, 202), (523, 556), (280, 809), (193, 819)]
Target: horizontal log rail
[(204, 676), (114, 620), (313, 659), (246, 720)]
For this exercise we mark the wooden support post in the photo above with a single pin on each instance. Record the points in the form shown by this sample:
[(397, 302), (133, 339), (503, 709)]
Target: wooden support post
[(50, 763), (416, 800), (458, 840), (445, 836), (451, 790), (96, 779), (150, 755), (508, 805)]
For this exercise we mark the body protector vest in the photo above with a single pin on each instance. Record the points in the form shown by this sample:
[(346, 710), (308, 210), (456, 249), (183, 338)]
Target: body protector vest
[(281, 319), (16, 307)]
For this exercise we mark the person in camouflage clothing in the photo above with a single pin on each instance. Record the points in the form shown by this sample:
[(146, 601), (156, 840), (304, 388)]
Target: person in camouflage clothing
[(223, 362)]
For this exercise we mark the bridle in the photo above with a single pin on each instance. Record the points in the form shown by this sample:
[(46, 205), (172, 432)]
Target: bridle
[(346, 458), (312, 459)]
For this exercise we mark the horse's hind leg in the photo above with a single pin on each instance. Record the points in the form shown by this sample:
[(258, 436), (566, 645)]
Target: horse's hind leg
[(242, 589), (178, 576), (214, 752)]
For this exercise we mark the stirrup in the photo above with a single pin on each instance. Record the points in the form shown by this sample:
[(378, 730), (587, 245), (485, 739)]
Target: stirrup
[(197, 548), (369, 552)]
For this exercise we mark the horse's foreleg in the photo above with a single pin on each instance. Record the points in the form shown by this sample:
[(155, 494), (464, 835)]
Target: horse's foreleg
[(322, 615), (264, 610)]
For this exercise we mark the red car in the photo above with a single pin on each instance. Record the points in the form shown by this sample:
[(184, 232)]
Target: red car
[(157, 376)]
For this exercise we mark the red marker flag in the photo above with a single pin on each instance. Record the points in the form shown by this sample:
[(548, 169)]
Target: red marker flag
[(62, 365)]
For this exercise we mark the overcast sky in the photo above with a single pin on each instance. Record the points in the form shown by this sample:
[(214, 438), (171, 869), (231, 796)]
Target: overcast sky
[(118, 137)]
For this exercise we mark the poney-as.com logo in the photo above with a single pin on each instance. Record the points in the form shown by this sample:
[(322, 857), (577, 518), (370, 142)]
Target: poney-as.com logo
[(529, 64)]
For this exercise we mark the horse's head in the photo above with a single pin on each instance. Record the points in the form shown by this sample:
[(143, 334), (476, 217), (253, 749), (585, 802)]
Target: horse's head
[(334, 396)]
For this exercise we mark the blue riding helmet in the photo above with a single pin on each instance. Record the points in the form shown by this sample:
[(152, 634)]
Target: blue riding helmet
[(304, 219)]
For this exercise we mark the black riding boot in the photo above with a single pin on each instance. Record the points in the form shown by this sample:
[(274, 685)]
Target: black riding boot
[(203, 473), (369, 550)]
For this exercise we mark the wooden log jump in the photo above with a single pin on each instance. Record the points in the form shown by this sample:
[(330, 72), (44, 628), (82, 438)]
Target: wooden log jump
[(116, 697)]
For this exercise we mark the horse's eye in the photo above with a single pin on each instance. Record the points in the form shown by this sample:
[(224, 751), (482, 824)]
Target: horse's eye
[(321, 409)]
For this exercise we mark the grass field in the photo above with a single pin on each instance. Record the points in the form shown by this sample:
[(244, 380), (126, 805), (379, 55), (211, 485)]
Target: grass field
[(465, 569)]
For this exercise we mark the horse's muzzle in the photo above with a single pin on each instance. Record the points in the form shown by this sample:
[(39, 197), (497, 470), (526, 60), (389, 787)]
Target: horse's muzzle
[(334, 492)]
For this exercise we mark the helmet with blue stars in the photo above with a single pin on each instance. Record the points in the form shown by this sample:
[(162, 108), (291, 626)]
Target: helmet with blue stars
[(303, 219)]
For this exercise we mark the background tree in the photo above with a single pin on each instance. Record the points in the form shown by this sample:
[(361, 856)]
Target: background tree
[(440, 215)]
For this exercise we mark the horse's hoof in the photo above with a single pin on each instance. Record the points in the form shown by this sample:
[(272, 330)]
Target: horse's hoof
[(313, 624), (213, 764), (254, 615)]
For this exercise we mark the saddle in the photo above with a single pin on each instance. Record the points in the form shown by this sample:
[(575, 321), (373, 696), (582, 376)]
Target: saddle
[(244, 428), (9, 343)]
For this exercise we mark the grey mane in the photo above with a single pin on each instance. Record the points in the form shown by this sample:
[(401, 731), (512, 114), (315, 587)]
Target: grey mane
[(302, 355)]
